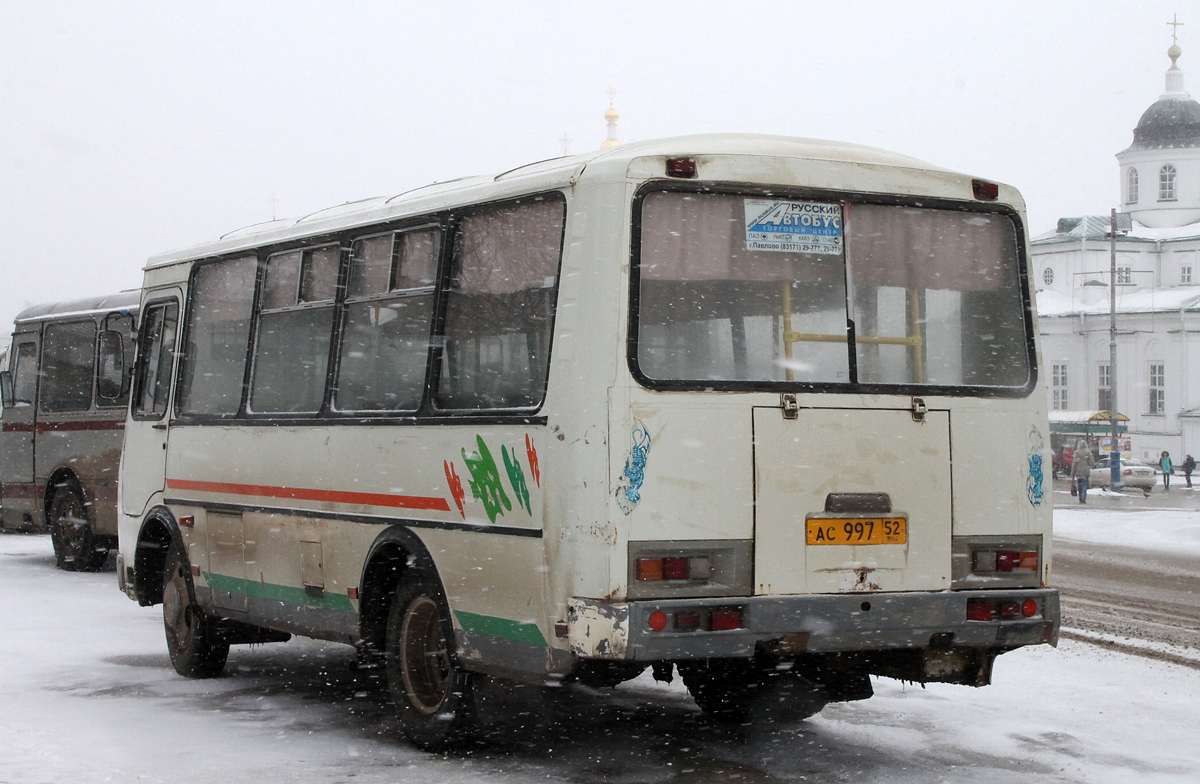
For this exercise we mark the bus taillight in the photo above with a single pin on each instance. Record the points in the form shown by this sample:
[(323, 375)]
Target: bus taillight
[(657, 620), (1006, 560), (980, 610), (725, 619), (1002, 609), (676, 568), (717, 619)]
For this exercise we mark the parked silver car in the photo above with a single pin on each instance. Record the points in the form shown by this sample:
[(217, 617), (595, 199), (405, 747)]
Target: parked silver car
[(1134, 473)]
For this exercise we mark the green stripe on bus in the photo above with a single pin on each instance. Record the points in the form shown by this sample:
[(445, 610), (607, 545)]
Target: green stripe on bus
[(279, 593), (491, 626)]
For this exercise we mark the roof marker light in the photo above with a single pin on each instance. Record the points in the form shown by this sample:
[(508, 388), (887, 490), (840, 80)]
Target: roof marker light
[(984, 190), (681, 167)]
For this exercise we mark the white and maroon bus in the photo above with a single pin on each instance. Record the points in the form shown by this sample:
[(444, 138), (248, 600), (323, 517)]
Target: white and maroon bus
[(65, 391)]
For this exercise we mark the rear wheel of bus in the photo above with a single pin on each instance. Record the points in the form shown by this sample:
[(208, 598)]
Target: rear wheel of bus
[(76, 546), (192, 641), (432, 694)]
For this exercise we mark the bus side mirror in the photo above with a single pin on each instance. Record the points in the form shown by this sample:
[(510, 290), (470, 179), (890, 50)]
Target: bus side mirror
[(110, 380), (6, 389)]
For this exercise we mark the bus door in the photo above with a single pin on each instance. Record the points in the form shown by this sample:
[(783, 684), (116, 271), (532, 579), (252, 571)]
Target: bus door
[(144, 457), (16, 441)]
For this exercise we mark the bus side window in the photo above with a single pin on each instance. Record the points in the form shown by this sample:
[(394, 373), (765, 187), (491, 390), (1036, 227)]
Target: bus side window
[(295, 328), (213, 366), (500, 307), (389, 310), (114, 351), (155, 360), (68, 356), (25, 375)]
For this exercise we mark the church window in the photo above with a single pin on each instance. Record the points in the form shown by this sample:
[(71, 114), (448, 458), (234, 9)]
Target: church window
[(1059, 387), (1166, 183), (1132, 187), (1185, 274), (1124, 276), (1104, 387), (1158, 391), (1048, 275)]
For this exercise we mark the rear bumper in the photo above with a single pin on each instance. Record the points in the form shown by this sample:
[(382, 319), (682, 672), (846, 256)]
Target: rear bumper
[(826, 623)]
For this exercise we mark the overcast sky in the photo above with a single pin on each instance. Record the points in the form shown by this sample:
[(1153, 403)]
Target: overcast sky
[(134, 128)]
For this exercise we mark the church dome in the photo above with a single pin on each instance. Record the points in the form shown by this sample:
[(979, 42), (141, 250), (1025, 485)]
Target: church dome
[(1168, 123)]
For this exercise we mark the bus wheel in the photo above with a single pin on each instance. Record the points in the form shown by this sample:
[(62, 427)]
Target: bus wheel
[(737, 691), (433, 695), (195, 650), (76, 548)]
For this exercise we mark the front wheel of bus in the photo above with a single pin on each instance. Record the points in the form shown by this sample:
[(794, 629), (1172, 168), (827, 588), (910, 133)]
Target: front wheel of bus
[(75, 546), (191, 640), (432, 693)]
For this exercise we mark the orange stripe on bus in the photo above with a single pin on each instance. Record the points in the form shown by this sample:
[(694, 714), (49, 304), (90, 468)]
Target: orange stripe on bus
[(310, 494)]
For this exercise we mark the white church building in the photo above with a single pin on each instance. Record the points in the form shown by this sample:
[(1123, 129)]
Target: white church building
[(1157, 289)]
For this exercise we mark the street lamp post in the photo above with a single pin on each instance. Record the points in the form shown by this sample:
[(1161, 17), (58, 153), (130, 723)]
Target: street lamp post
[(1117, 223)]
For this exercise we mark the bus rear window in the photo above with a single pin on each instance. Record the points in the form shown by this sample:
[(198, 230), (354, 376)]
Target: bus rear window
[(736, 290)]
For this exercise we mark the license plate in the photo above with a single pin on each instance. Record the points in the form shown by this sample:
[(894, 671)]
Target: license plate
[(856, 530)]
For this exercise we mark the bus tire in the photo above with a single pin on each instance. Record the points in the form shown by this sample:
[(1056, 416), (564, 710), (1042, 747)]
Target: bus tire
[(195, 649), (76, 546), (432, 694)]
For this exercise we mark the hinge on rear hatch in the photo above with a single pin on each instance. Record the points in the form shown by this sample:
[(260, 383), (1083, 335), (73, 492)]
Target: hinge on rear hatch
[(791, 409), (918, 409)]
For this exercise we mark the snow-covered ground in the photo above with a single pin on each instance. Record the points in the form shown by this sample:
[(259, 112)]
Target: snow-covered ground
[(87, 694), (1166, 530)]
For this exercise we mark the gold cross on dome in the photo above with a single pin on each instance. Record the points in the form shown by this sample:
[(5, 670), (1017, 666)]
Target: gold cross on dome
[(566, 143), (612, 95), (1175, 24)]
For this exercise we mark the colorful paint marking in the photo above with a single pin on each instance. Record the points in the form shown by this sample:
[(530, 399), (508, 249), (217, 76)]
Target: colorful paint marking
[(1034, 484), (456, 488), (629, 490), (516, 477), (286, 594), (491, 626), (312, 494), (485, 481), (531, 453)]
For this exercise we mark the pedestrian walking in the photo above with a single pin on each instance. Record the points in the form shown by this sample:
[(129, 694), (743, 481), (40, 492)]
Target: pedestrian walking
[(1164, 462), (1081, 468), (1189, 465)]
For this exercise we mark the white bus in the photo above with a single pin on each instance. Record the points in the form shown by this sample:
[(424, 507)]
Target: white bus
[(65, 389), (764, 410)]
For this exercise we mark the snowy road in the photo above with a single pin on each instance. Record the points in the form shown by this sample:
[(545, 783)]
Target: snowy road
[(87, 695), (1121, 592)]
